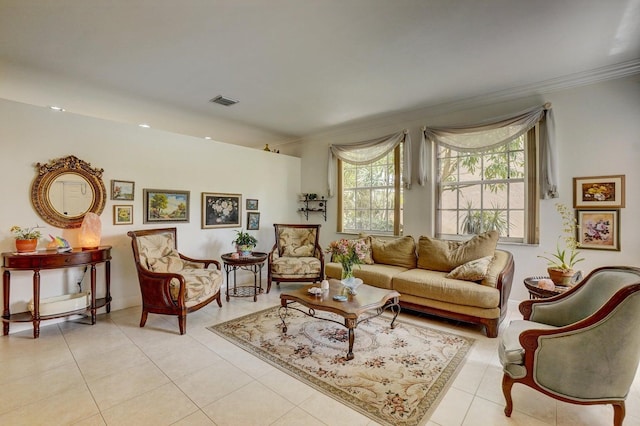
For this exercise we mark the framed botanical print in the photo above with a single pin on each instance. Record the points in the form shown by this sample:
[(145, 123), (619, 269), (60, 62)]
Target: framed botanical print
[(252, 204), (221, 210), (253, 221), (163, 205), (123, 215), (598, 192), (599, 229)]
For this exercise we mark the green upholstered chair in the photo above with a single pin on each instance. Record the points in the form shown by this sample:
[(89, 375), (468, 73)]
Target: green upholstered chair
[(582, 346), (171, 283), (296, 256)]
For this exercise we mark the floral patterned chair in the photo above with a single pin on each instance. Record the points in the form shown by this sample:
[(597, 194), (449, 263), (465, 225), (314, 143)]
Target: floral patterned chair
[(296, 256), (171, 283)]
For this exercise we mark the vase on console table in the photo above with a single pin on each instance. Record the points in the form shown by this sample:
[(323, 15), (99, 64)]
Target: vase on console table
[(26, 246)]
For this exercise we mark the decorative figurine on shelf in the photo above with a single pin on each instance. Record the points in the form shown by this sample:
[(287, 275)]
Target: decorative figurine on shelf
[(58, 243)]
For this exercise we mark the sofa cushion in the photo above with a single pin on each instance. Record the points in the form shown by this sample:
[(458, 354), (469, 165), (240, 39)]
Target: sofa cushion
[(368, 254), (399, 251), (375, 275), (474, 270), (444, 256), (435, 285)]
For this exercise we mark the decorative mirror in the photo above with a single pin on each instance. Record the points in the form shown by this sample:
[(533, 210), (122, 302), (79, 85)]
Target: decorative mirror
[(65, 189)]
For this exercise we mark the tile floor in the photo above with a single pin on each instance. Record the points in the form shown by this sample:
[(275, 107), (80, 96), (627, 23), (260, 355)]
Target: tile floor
[(115, 373)]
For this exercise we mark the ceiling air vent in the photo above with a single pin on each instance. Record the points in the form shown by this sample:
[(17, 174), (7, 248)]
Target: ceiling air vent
[(223, 101)]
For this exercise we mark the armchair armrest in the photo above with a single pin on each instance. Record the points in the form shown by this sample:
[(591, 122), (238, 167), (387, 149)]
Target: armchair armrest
[(206, 262), (159, 284)]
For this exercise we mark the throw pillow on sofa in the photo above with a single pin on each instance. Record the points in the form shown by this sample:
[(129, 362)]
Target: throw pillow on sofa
[(396, 251), (476, 270), (444, 256)]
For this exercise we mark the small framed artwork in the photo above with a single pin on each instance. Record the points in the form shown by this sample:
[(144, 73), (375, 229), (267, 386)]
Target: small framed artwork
[(123, 215), (162, 205), (252, 204), (598, 192), (599, 229), (221, 210), (122, 190), (253, 221)]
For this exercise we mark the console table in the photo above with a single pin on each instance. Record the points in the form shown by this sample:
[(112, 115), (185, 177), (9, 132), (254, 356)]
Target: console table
[(53, 260)]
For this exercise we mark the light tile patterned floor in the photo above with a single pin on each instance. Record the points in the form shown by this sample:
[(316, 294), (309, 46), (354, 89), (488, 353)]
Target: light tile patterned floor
[(116, 373)]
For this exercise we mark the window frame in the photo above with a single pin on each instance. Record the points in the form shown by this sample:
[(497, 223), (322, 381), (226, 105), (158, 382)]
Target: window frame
[(530, 198), (397, 197)]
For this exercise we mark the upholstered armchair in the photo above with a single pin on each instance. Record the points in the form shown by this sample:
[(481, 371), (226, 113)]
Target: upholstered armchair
[(171, 283), (582, 346), (296, 256)]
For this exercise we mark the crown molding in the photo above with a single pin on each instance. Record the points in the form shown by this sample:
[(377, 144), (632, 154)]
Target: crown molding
[(596, 75)]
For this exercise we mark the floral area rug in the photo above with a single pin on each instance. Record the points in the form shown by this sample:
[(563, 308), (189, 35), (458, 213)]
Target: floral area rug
[(396, 377)]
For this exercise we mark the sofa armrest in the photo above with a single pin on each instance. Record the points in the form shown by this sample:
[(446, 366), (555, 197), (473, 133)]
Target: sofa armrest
[(504, 282)]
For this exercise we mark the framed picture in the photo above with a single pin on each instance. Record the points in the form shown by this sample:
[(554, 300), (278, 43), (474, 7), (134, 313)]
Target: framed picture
[(162, 205), (252, 204), (598, 192), (221, 210), (253, 221), (123, 215), (599, 229), (122, 190)]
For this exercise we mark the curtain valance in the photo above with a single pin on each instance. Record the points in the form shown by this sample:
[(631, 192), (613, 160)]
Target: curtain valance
[(369, 151), (494, 132)]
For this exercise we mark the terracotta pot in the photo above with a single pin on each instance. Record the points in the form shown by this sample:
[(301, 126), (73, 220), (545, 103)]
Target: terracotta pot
[(26, 246), (561, 276)]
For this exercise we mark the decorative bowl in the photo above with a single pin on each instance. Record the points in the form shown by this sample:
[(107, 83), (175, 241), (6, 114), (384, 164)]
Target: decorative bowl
[(352, 283)]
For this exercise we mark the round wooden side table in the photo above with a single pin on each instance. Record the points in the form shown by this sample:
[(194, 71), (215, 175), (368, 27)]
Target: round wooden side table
[(252, 263), (535, 292)]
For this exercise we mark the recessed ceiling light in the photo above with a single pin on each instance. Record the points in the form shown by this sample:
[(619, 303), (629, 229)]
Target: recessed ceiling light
[(208, 138), (221, 100), (144, 125), (57, 108)]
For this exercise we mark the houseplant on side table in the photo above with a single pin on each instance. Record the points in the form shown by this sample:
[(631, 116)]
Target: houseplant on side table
[(561, 264), (245, 243), (26, 238)]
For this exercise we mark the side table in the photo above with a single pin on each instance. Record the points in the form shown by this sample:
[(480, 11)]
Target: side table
[(535, 292), (252, 263)]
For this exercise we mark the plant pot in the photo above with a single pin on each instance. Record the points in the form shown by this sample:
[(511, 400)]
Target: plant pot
[(26, 246), (561, 276), (244, 250)]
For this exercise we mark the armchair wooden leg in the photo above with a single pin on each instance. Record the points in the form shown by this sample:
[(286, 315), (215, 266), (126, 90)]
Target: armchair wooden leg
[(182, 322), (507, 384), (219, 300), (143, 318), (618, 413)]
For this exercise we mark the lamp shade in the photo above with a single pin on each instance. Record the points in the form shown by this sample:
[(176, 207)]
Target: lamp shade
[(90, 231)]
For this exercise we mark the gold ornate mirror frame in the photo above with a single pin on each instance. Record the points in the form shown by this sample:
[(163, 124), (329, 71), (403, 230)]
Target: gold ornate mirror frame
[(48, 191)]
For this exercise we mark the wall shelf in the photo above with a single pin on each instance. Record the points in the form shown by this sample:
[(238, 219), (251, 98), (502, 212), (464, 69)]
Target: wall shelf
[(312, 204)]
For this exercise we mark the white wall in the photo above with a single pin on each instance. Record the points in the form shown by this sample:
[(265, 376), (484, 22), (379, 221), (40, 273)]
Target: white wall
[(152, 159), (597, 132)]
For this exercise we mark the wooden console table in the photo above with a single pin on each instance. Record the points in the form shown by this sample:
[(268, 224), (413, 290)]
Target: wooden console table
[(53, 260)]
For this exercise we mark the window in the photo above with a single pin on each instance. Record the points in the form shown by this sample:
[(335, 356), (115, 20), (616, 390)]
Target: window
[(371, 195), (493, 189)]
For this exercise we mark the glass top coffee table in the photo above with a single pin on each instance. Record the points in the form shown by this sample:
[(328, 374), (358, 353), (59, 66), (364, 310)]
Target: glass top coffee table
[(370, 302)]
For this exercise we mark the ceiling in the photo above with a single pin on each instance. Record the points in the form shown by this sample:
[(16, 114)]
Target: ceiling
[(300, 67)]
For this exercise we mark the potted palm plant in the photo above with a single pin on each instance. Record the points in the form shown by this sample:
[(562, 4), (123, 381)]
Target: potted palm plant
[(26, 238), (561, 264), (245, 242)]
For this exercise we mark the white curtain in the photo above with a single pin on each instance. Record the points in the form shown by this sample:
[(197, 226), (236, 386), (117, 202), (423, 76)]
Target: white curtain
[(494, 132), (369, 151)]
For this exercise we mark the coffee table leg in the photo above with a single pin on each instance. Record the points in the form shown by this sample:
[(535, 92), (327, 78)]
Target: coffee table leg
[(351, 325), (395, 308)]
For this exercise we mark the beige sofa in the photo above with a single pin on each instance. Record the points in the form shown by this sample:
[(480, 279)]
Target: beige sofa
[(468, 281)]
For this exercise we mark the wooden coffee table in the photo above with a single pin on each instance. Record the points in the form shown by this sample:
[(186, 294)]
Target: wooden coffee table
[(368, 299)]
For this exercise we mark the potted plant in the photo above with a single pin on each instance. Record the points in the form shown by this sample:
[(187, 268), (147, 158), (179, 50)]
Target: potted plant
[(245, 242), (561, 264), (26, 238)]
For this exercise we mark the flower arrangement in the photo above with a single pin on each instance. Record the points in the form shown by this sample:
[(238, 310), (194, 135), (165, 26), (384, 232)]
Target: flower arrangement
[(20, 233), (348, 253), (565, 259)]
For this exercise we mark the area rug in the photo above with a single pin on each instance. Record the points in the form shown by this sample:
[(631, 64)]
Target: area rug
[(396, 378)]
